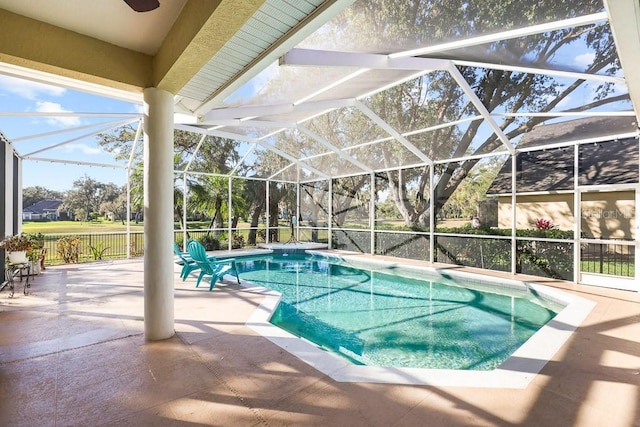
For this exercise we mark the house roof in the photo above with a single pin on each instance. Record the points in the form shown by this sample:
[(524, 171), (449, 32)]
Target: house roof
[(605, 161), (44, 206), (578, 130)]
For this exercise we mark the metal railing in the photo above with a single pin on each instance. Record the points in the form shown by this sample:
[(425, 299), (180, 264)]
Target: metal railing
[(608, 258), (535, 256), (91, 246)]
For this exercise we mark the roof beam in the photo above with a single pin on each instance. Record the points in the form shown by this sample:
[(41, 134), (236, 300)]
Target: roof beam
[(342, 154), (241, 161), (134, 146), (570, 114), (506, 35), (253, 123), (291, 158), (229, 135), (62, 131), (202, 28), (457, 75), (624, 20), (74, 162), (195, 153), (543, 71), (270, 110), (391, 131), (101, 130), (324, 58)]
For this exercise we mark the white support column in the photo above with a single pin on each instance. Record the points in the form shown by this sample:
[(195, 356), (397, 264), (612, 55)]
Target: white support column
[(229, 214), (185, 188), (297, 237), (514, 245), (577, 215), (158, 215), (432, 215), (330, 224), (636, 238), (9, 190), (7, 181), (372, 212), (18, 188), (268, 216), (128, 213)]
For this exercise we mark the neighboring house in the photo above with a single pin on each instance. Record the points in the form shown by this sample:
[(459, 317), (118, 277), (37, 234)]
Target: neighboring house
[(44, 210), (545, 178)]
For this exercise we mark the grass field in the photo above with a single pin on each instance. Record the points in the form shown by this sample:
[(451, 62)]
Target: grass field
[(63, 227), (100, 226)]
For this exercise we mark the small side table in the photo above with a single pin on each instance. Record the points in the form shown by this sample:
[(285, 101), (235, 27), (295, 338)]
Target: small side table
[(21, 269)]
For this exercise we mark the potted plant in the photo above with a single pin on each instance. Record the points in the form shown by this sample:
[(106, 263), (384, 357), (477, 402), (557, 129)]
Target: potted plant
[(36, 253), (16, 248)]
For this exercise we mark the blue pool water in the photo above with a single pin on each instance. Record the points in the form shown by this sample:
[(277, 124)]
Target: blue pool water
[(377, 318)]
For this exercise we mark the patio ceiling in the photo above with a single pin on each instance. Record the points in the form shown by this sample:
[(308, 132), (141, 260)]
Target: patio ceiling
[(267, 74)]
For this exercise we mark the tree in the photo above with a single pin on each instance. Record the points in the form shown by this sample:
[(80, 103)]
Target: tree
[(255, 192), (117, 205), (33, 195), (85, 197), (437, 98), (207, 194)]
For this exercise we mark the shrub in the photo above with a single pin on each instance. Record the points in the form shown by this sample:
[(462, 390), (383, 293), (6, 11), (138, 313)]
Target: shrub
[(133, 249), (237, 241), (98, 250), (68, 249), (543, 224), (210, 243)]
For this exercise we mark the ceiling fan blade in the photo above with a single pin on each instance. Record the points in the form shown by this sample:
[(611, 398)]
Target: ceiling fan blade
[(142, 5)]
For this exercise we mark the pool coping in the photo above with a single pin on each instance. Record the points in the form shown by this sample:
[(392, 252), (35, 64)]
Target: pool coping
[(516, 372)]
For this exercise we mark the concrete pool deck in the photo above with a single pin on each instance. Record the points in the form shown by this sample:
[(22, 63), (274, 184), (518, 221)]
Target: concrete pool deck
[(72, 352)]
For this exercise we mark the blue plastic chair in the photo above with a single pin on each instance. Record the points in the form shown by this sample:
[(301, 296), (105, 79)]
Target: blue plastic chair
[(210, 265), (188, 264)]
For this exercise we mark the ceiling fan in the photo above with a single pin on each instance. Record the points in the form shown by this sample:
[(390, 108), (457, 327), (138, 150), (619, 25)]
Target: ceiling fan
[(142, 5)]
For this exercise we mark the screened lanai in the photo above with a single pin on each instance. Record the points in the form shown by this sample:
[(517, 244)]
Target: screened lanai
[(380, 127)]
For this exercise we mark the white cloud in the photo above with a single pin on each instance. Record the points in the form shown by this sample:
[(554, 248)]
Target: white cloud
[(28, 89), (53, 107), (584, 60), (82, 148)]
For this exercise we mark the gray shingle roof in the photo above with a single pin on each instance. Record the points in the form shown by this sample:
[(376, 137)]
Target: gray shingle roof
[(44, 206), (606, 162)]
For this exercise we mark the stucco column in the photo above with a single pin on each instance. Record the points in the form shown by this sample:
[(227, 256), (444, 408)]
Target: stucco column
[(158, 215)]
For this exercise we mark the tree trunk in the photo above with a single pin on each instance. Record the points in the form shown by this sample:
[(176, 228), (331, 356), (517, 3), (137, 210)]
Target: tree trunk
[(255, 220)]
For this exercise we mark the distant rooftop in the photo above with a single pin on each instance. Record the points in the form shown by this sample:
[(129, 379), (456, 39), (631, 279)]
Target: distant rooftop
[(552, 169)]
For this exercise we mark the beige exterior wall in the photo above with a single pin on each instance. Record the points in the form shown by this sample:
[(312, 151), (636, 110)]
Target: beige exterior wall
[(558, 208), (609, 215)]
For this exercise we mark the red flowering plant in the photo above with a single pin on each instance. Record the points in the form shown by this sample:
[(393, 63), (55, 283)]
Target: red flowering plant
[(543, 224)]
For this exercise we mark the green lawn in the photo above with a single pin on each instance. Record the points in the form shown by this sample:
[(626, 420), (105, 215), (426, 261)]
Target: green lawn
[(62, 227)]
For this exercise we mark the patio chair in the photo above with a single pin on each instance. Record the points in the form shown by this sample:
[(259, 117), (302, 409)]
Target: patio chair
[(210, 265), (188, 264)]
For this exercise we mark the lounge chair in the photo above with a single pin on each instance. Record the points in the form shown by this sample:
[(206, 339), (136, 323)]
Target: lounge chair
[(209, 265), (188, 264)]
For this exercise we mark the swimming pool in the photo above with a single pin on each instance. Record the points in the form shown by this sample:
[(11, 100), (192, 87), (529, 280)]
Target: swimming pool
[(380, 322)]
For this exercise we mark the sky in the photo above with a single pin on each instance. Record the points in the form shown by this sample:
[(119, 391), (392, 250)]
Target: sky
[(24, 96)]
